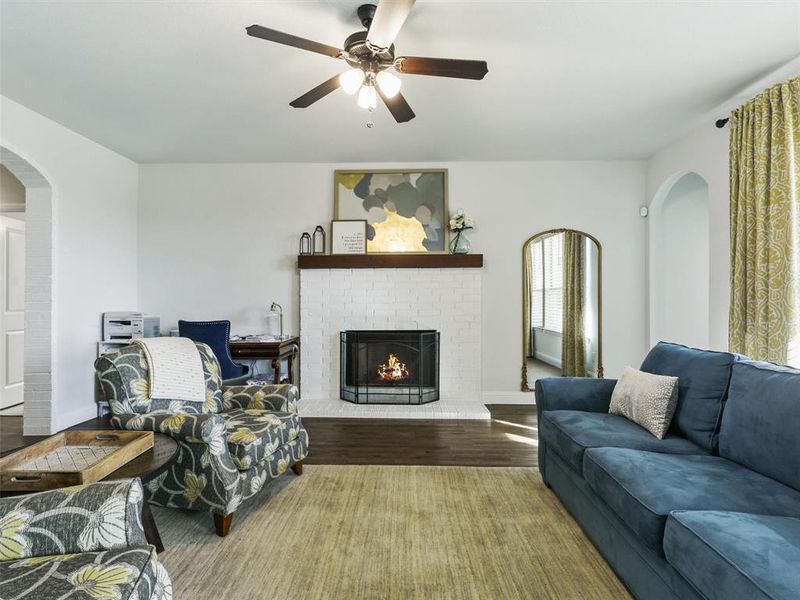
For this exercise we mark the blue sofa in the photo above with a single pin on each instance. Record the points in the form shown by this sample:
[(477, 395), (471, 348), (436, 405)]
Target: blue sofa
[(711, 511)]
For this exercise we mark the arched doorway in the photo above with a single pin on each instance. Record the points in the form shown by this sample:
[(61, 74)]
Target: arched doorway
[(679, 261), (38, 344)]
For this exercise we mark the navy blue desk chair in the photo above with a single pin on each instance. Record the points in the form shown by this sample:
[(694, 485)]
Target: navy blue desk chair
[(216, 334)]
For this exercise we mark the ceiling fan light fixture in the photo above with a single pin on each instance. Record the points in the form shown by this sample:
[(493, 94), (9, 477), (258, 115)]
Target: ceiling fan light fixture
[(351, 80), (368, 54), (367, 97), (389, 84)]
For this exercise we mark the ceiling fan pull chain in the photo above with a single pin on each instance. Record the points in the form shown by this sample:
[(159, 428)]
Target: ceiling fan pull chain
[(370, 122)]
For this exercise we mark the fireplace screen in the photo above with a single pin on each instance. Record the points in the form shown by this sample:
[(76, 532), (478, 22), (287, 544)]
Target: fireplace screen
[(389, 367)]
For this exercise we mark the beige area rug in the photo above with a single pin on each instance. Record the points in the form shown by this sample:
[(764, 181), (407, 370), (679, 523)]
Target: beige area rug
[(355, 532)]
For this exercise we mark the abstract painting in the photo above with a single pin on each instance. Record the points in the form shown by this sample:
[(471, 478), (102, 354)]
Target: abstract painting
[(405, 210)]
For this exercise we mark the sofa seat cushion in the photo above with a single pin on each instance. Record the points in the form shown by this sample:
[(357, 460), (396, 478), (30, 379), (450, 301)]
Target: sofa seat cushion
[(735, 556), (642, 488), (133, 573), (254, 434), (570, 432)]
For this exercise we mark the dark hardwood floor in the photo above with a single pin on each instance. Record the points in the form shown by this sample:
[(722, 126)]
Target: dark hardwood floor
[(508, 439), (11, 437)]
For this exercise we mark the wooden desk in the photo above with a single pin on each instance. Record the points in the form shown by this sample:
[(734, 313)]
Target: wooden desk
[(273, 351)]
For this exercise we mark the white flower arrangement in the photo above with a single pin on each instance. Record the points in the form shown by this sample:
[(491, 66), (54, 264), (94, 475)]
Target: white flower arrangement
[(461, 221)]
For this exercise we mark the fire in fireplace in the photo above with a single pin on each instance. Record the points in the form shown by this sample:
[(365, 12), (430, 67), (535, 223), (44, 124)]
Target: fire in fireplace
[(389, 367), (394, 370)]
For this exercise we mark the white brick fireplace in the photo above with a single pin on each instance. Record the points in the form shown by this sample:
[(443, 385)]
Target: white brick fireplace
[(445, 299)]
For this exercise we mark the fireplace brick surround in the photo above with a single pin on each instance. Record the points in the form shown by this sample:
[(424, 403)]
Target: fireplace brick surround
[(444, 299)]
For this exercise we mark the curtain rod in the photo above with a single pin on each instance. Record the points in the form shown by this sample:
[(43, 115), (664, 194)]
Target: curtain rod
[(720, 123)]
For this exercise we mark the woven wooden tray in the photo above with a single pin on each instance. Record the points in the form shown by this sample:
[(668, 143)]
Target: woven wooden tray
[(71, 458)]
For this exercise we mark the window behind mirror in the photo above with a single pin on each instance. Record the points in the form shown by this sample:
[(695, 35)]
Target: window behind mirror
[(546, 304)]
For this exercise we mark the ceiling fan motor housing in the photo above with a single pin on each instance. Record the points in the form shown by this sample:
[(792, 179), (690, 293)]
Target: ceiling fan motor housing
[(360, 54)]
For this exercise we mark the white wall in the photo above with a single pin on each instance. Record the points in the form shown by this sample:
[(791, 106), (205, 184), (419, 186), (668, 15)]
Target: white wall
[(705, 152), (547, 347), (220, 241), (679, 257), (95, 193)]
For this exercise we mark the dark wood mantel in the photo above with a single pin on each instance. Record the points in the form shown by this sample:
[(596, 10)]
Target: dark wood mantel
[(390, 261)]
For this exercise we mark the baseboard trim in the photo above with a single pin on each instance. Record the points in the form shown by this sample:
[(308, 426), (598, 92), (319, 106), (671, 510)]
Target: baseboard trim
[(446, 408), (509, 398), (79, 415)]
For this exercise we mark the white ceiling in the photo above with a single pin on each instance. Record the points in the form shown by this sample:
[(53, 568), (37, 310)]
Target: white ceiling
[(181, 82)]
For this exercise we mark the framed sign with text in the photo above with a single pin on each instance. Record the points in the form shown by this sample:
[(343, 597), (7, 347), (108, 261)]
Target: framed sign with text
[(349, 237)]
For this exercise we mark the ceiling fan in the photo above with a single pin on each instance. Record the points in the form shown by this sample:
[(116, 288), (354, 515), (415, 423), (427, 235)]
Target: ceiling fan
[(370, 55)]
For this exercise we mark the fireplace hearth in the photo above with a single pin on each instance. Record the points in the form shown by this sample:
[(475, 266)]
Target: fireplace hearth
[(389, 366)]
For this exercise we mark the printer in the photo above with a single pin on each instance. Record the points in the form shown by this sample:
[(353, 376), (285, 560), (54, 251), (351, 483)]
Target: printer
[(128, 326)]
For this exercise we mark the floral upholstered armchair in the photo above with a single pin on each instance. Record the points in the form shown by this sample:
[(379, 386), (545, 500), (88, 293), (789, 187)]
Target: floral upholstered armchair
[(82, 543), (230, 445)]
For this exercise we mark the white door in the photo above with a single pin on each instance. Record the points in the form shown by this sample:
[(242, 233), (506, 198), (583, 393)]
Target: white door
[(12, 311)]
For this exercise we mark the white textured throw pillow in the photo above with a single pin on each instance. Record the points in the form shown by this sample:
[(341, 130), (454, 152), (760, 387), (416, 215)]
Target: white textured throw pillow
[(646, 399)]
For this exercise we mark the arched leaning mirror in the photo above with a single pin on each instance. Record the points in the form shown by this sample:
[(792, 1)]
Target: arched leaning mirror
[(561, 306)]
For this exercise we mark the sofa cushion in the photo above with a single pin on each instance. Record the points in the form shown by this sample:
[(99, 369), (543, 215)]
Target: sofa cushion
[(642, 488), (735, 556), (761, 423), (125, 573), (646, 399), (703, 378), (570, 432), (254, 434)]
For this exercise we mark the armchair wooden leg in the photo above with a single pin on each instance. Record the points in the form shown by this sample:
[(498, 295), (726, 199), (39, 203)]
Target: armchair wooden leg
[(223, 524), (298, 467)]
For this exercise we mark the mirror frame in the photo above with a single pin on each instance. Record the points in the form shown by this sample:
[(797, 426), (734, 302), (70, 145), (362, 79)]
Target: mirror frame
[(524, 385)]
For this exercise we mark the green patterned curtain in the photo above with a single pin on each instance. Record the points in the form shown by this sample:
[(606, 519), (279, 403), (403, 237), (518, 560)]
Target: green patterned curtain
[(527, 291), (573, 361), (765, 225)]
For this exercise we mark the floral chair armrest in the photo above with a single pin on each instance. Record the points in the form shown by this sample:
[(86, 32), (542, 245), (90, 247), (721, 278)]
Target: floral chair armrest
[(193, 428), (106, 515), (203, 476), (242, 380), (279, 397)]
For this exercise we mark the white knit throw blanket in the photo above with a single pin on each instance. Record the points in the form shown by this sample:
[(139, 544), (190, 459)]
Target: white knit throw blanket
[(176, 369)]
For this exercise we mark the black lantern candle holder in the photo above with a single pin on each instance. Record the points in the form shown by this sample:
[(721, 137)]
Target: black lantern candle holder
[(319, 240), (305, 244)]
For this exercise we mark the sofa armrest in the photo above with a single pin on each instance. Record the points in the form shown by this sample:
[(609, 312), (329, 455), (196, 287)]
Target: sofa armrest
[(192, 428), (279, 397), (573, 393), (106, 515)]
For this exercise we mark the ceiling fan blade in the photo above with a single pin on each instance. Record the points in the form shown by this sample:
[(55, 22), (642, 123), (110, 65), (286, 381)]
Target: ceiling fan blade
[(398, 106), (389, 18), (287, 39), (318, 93), (442, 67)]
